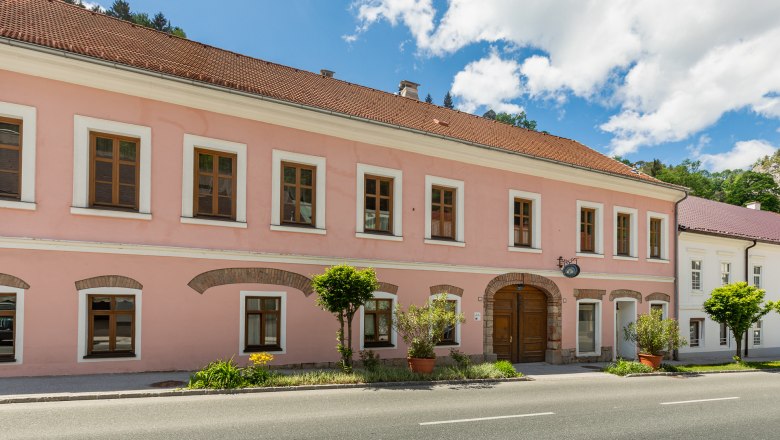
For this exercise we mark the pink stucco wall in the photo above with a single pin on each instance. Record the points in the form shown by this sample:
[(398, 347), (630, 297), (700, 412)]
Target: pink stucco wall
[(181, 328)]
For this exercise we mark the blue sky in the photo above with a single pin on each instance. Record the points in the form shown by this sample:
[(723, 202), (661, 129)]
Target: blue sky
[(641, 80)]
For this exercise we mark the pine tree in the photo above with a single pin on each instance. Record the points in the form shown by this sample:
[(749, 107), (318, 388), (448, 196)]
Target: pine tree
[(448, 101), (161, 23), (428, 99), (120, 9)]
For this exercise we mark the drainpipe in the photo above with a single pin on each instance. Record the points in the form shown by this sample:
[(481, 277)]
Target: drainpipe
[(676, 263), (747, 273)]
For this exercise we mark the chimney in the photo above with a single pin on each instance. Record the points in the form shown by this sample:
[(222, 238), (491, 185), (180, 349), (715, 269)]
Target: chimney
[(327, 73), (409, 89), (753, 205)]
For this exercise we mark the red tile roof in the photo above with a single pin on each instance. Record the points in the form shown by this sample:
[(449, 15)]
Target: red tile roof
[(61, 26), (702, 215)]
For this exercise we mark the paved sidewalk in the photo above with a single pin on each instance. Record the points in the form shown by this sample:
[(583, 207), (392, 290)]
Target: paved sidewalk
[(91, 383)]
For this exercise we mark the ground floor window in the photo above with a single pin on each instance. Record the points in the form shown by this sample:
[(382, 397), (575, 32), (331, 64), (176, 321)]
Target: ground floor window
[(663, 306), (111, 320), (452, 333), (696, 332), (7, 327), (757, 333), (262, 323), (587, 327), (377, 322), (724, 335)]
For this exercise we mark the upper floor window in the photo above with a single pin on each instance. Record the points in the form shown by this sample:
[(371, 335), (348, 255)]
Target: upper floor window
[(378, 208), (655, 237), (7, 327), (114, 171), (725, 273), (111, 323), (379, 197), (262, 323), (623, 234), (757, 276), (696, 275), (523, 222), (298, 194), (444, 211), (215, 182), (10, 158), (587, 230)]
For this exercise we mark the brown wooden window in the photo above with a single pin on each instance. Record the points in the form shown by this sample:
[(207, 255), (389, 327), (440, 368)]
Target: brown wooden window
[(262, 324), (111, 326), (215, 184), (587, 230), (299, 194), (114, 171), (450, 333), (623, 234), (442, 212), (377, 322), (378, 214), (523, 223), (7, 327), (655, 238), (10, 158)]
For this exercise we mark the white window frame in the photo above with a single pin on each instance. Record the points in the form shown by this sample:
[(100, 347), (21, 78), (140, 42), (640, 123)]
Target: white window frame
[(83, 325), (664, 237), (536, 221), (720, 273), (758, 327), (633, 232), (397, 176), (759, 275), (598, 230), (701, 331), (28, 116), (598, 328), (729, 335), (691, 270), (83, 125), (19, 324), (460, 215), (393, 334), (319, 163), (191, 142), (282, 319), (456, 298), (664, 307)]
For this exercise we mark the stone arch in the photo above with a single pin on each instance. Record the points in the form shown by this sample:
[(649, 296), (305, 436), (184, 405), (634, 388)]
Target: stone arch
[(589, 294), (254, 275), (12, 281), (446, 288), (108, 281), (546, 285), (387, 287), (658, 296), (625, 293)]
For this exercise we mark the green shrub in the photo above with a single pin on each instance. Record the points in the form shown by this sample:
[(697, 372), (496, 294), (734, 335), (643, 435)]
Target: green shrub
[(218, 374), (655, 335), (370, 359), (624, 367), (506, 368), (463, 361), (422, 327)]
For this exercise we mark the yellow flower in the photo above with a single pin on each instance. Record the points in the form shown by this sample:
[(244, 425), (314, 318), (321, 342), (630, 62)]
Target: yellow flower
[(261, 359)]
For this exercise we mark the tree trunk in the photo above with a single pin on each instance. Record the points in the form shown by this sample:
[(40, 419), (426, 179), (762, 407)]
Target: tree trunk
[(739, 346), (349, 337), (341, 337)]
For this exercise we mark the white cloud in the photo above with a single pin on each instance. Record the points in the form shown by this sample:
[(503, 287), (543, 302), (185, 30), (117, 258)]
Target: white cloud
[(743, 155), (670, 68), (489, 82)]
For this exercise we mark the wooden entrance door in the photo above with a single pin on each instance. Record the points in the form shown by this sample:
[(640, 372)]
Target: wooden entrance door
[(520, 324)]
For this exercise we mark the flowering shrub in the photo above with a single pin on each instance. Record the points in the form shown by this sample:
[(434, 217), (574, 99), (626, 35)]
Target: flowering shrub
[(261, 359), (257, 372)]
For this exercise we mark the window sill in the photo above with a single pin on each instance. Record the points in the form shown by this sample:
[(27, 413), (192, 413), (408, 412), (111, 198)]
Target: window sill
[(589, 255), (657, 260), (304, 230), (528, 250), (385, 237), (110, 358), (448, 344), (445, 242), (269, 349), (109, 213), (588, 354), (8, 361), (387, 346), (205, 222), (14, 204), (624, 258)]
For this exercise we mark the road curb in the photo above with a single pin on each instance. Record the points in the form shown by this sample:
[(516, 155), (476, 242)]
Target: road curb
[(697, 373), (114, 395)]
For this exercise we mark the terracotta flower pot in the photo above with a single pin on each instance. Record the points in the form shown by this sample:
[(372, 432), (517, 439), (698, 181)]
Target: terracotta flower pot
[(421, 365), (650, 360)]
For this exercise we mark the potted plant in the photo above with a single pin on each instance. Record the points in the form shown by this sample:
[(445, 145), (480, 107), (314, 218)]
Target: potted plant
[(654, 336), (422, 327)]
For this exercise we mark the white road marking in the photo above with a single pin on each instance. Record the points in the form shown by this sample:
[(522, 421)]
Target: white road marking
[(700, 400), (442, 422)]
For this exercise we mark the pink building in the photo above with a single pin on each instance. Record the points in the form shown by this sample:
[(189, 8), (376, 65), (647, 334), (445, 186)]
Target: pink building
[(164, 203)]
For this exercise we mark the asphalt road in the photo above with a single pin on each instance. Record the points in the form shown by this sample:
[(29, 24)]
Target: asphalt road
[(748, 406)]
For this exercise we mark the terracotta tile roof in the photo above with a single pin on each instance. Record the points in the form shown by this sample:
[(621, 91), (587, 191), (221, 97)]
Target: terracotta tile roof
[(60, 26), (702, 215)]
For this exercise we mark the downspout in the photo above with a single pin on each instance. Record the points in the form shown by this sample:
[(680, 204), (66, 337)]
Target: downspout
[(676, 263), (747, 273)]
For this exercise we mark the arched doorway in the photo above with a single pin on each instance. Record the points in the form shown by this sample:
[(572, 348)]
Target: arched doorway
[(520, 324)]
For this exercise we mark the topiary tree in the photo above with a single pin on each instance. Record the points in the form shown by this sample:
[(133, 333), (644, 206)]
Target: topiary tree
[(738, 306), (341, 290)]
